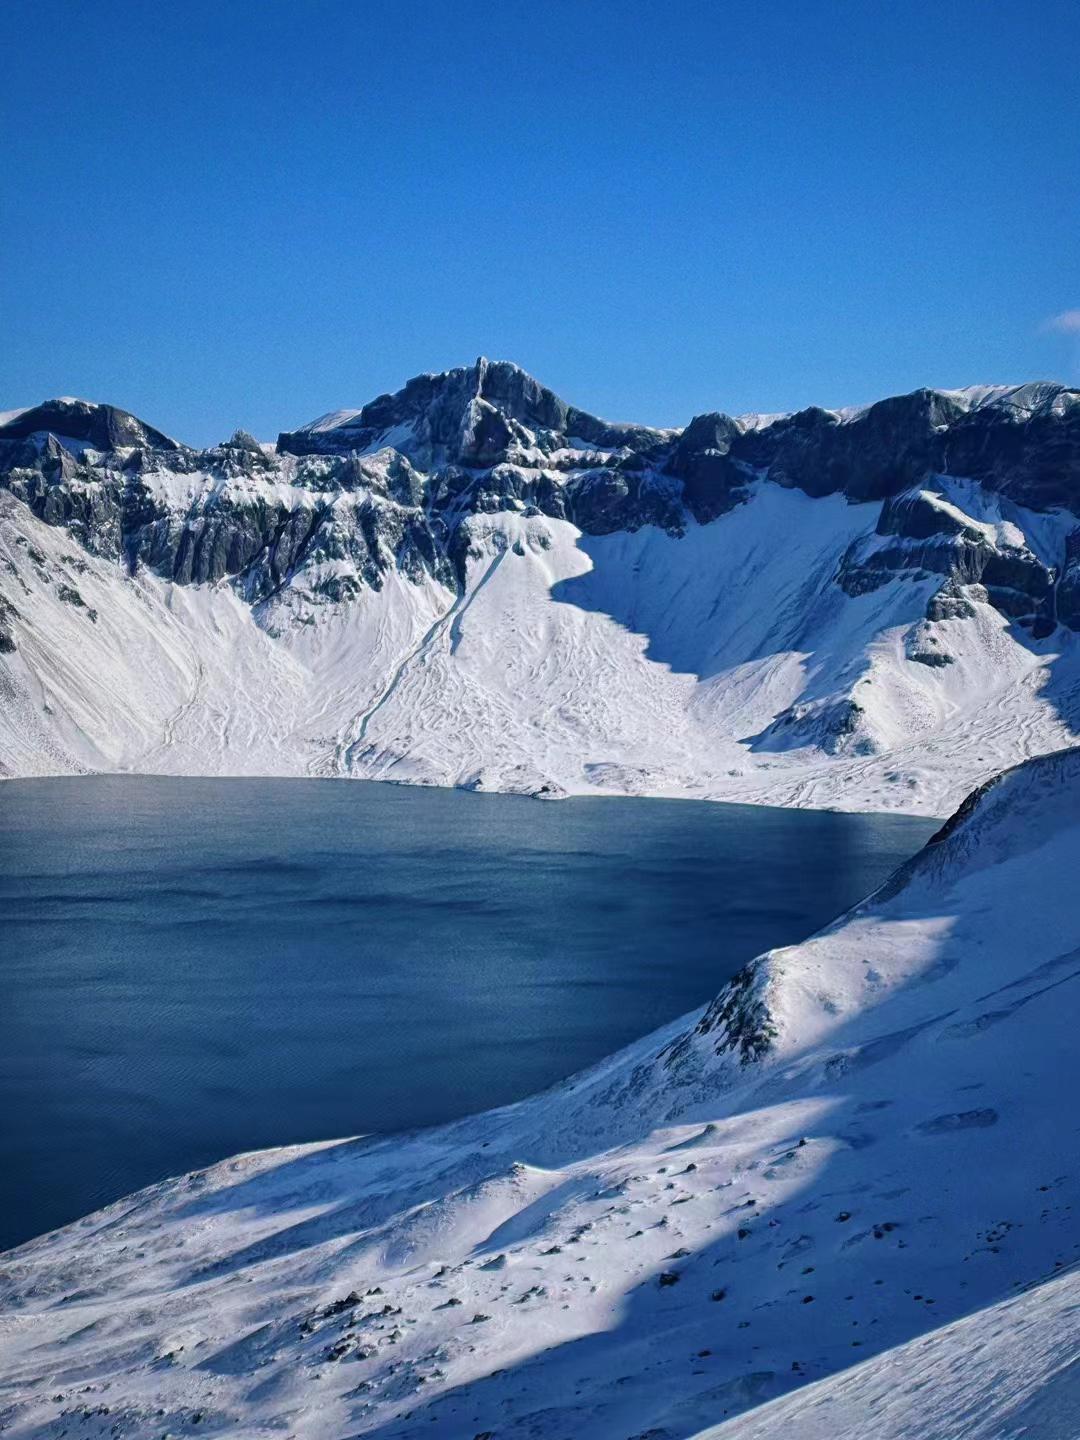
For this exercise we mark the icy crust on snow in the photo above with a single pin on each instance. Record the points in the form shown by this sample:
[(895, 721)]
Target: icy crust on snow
[(863, 1151)]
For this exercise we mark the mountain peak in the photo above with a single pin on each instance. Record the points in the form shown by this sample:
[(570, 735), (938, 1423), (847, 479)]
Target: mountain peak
[(103, 427), (469, 415)]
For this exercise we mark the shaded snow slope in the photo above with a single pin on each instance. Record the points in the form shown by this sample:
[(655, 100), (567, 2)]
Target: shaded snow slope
[(867, 1141), (1009, 1371)]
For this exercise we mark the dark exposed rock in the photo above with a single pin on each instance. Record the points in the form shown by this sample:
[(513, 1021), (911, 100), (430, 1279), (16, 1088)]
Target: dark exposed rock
[(954, 602), (713, 482), (935, 659), (1025, 444), (1067, 597), (8, 613), (739, 1017), (887, 449), (918, 515), (833, 725), (603, 501), (388, 486), (923, 536), (102, 426), (243, 441), (470, 416)]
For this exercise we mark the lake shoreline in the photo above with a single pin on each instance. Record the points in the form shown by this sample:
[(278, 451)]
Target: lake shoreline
[(200, 967)]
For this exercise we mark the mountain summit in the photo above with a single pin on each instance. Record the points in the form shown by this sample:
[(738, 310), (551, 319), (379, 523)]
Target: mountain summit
[(476, 415), (472, 582), (105, 427)]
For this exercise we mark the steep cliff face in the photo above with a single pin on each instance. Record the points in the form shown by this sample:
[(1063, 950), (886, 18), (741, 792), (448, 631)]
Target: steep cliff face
[(369, 534), (489, 437)]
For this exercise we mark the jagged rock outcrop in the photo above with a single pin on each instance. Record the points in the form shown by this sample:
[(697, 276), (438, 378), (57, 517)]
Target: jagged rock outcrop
[(834, 725), (923, 533), (1067, 590), (105, 427), (734, 601), (471, 416), (1022, 441), (389, 483)]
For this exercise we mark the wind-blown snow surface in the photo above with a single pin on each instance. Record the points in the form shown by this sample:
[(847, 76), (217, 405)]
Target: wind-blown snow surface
[(868, 1141), (725, 663)]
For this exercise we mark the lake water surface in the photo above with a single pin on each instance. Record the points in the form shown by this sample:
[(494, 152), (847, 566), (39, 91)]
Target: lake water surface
[(189, 968)]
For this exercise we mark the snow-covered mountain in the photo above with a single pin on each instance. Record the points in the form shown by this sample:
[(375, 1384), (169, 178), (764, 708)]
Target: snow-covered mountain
[(470, 582), (839, 1201)]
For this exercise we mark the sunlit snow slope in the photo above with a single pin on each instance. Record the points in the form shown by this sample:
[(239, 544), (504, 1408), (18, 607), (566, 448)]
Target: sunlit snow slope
[(470, 583), (867, 1141)]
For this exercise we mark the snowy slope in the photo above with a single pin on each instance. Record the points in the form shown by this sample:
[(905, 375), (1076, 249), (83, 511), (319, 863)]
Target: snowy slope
[(626, 663), (1009, 1371), (867, 1141), (472, 583)]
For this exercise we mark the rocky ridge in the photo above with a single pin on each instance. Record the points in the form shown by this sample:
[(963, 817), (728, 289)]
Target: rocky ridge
[(952, 530), (388, 485)]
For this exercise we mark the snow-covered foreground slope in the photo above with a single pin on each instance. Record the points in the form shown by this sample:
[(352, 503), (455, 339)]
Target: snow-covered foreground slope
[(718, 664), (867, 1141), (1009, 1372)]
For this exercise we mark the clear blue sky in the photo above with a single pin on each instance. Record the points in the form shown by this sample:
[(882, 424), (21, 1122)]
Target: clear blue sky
[(248, 213)]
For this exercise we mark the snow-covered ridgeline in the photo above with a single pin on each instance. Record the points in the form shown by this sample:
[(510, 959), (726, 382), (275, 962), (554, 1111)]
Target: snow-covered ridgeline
[(867, 1142), (470, 582), (716, 664)]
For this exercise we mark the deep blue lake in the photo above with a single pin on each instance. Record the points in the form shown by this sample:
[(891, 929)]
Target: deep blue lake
[(189, 968)]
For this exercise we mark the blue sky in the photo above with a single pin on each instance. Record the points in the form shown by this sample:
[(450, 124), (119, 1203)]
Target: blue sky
[(246, 214)]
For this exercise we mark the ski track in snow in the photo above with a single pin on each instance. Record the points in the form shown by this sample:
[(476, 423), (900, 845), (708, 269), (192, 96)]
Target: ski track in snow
[(450, 623), (348, 749)]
